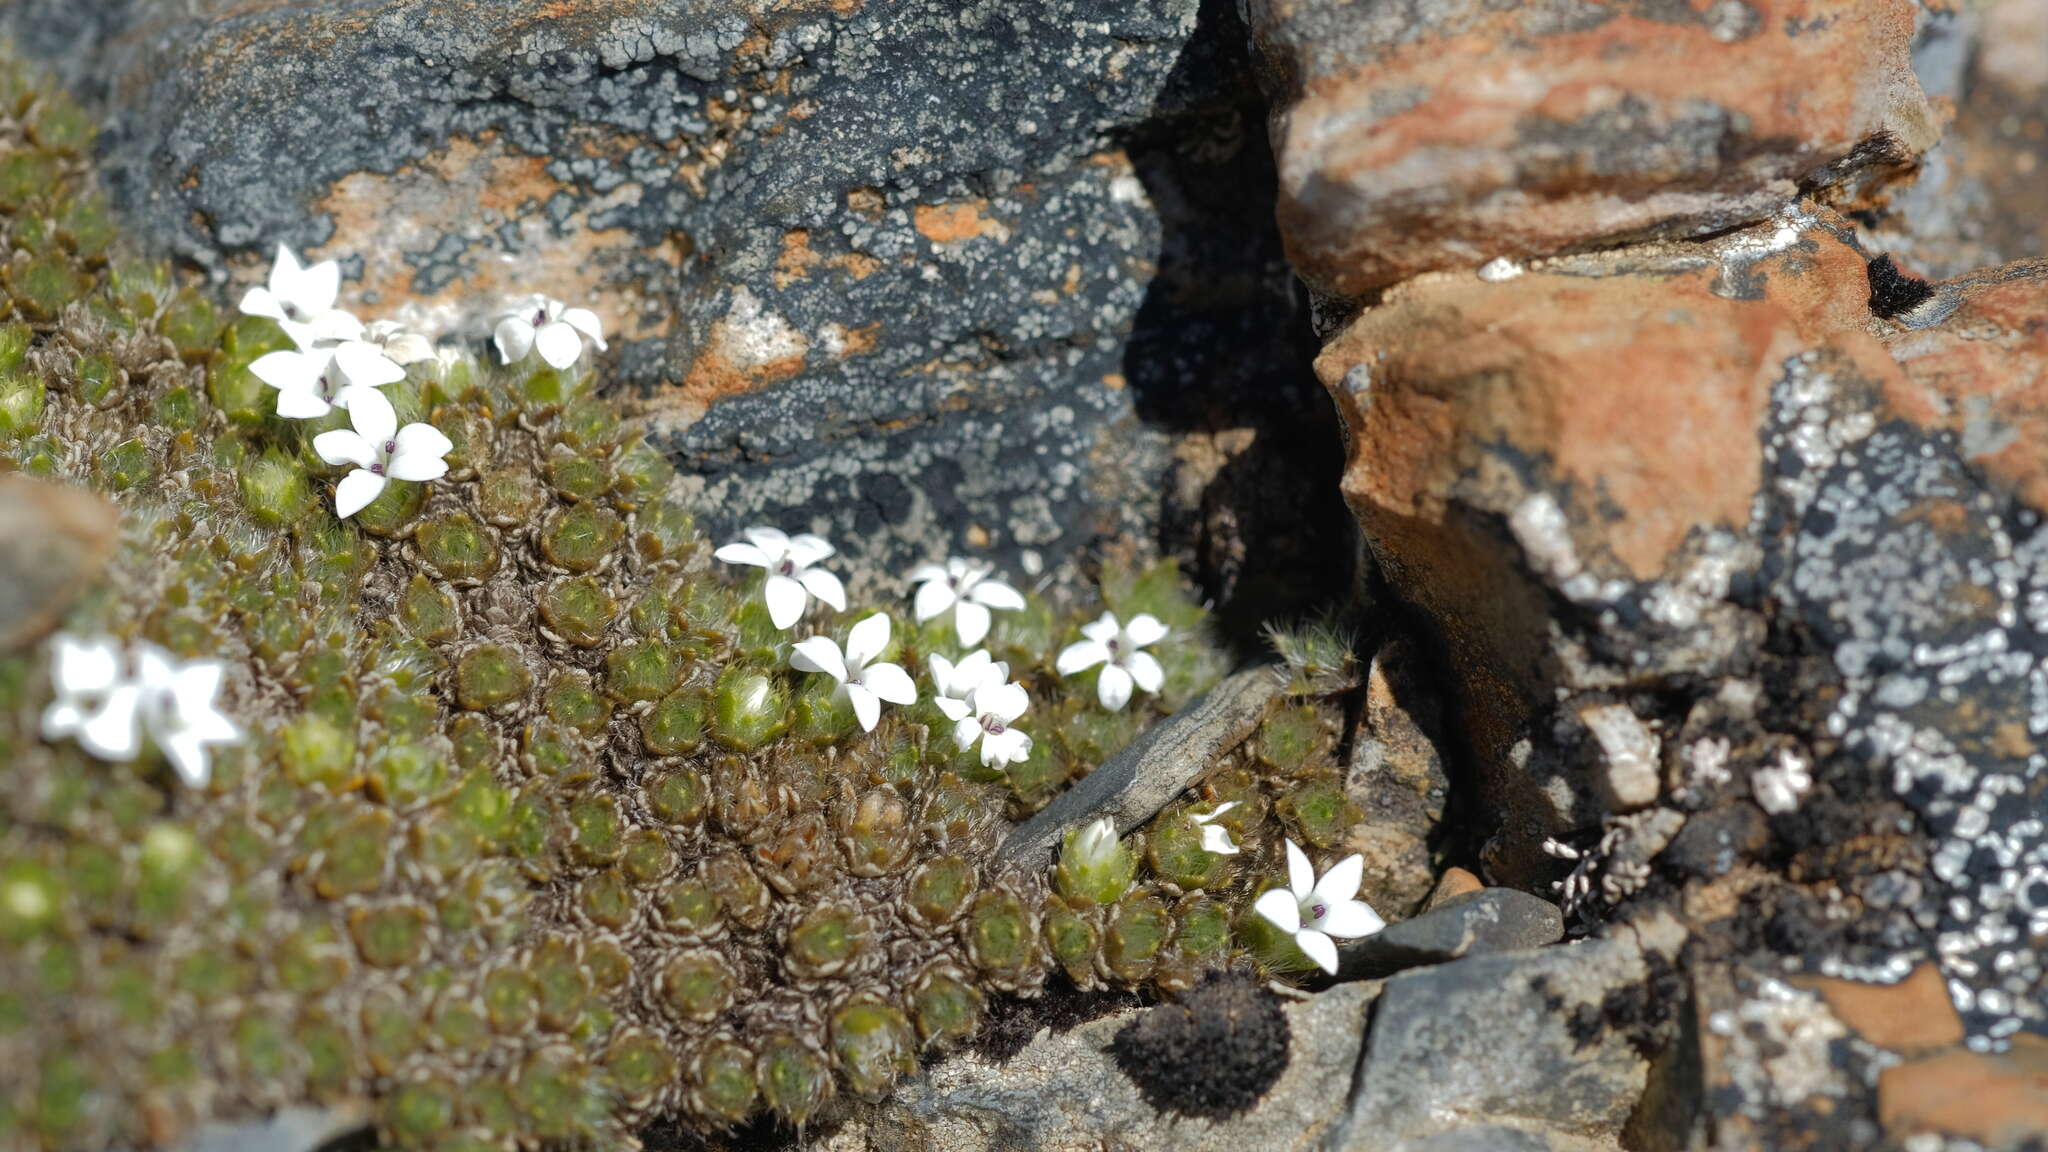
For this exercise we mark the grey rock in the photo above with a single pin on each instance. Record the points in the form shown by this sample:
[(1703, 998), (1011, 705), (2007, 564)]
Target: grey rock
[(1396, 777), (1475, 923), (926, 276), (1489, 1041), (286, 1130), (1165, 760), (1064, 1091)]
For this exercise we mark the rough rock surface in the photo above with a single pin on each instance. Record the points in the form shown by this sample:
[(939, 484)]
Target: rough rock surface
[(54, 542), (1064, 1090), (1475, 923), (1418, 137), (919, 275)]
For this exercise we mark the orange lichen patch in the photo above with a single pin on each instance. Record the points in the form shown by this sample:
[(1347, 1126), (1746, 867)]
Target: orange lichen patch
[(1997, 1099), (797, 258), (475, 187), (749, 348), (843, 342), (1983, 374), (1114, 381), (957, 223), (1909, 1016)]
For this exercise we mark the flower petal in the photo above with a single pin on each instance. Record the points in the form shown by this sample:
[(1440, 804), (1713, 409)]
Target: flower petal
[(890, 682), (1145, 670), (806, 549), (966, 731), (825, 586), (1351, 919), (419, 453), (288, 369), (1102, 629), (317, 286), (925, 573), (866, 708), (1005, 702), (365, 364), (114, 731), (769, 540), (371, 414), (1002, 749), (933, 597), (85, 665), (1144, 629), (1216, 838), (743, 554), (558, 344), (786, 599), (187, 754), (1341, 882), (1114, 687), (261, 302), (818, 654), (343, 446), (355, 492), (998, 595), (302, 402), (586, 322), (514, 338), (866, 639), (1277, 906), (1319, 948), (1080, 656), (970, 622), (952, 708), (1301, 875)]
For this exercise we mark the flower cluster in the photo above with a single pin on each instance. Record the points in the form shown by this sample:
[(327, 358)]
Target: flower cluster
[(340, 363), (111, 711), (976, 693)]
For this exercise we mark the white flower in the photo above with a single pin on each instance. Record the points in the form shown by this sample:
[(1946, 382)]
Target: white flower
[(1117, 647), (958, 681), (986, 716), (866, 684), (1215, 837), (1313, 911), (95, 704), (550, 327), (966, 587), (399, 344), (317, 380), (791, 579), (301, 300), (108, 713), (380, 450), (179, 709)]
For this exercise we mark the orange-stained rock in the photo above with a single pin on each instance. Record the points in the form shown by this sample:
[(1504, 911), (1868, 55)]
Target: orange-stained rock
[(1981, 372), (1414, 137), (1586, 431), (1911, 1015), (1454, 882), (54, 543), (1997, 1099)]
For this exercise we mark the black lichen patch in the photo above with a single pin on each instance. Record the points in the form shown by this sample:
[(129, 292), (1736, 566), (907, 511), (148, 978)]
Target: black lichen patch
[(1893, 292), (1212, 1055)]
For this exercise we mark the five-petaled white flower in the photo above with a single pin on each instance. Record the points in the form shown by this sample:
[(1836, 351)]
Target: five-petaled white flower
[(861, 680), (987, 716), (380, 450), (315, 381), (792, 580), (1116, 647), (549, 327), (301, 300), (1215, 837), (968, 588), (1313, 910), (958, 681), (399, 344), (172, 703)]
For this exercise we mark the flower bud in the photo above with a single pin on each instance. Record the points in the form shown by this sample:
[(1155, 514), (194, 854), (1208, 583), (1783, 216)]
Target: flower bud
[(1094, 867)]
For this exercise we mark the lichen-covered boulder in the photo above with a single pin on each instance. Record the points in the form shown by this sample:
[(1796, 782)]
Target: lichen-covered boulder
[(922, 274)]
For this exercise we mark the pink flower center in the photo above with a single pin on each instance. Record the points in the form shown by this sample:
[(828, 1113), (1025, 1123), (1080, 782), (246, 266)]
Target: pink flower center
[(291, 311), (1316, 911), (377, 467), (785, 567), (540, 317), (992, 725)]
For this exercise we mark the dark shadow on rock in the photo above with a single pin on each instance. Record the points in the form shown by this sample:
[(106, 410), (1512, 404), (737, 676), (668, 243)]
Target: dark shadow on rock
[(1222, 354)]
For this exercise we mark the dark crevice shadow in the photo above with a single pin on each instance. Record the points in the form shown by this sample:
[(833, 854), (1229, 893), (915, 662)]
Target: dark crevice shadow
[(1222, 353)]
